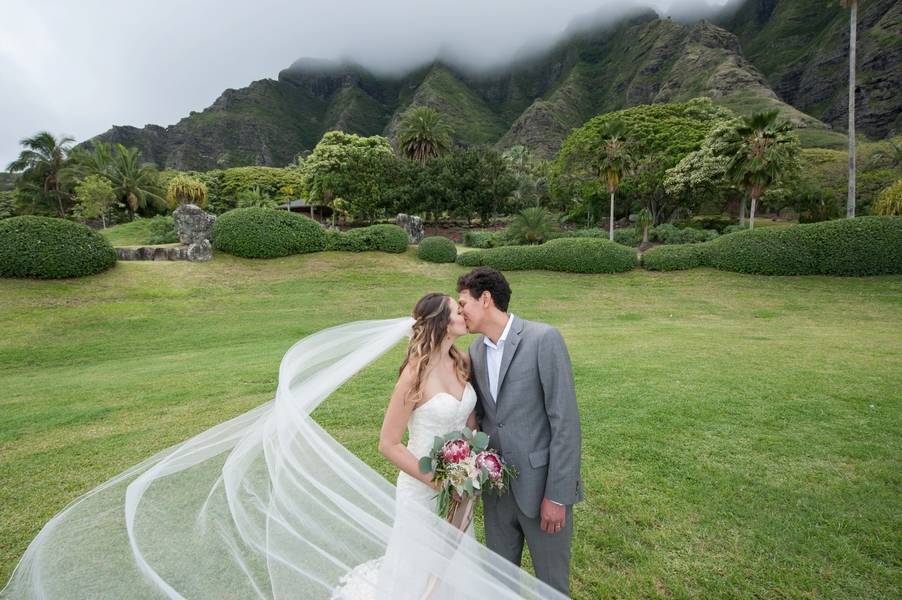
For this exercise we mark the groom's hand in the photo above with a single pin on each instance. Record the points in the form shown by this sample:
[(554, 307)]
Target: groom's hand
[(553, 516)]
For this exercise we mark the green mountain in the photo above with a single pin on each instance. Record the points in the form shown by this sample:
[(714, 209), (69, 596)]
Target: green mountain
[(535, 101), (802, 47)]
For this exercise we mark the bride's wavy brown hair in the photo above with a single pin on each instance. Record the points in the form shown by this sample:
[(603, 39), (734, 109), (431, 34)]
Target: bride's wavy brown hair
[(433, 315)]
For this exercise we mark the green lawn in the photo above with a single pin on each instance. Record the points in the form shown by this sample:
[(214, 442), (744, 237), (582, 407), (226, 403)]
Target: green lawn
[(134, 233), (742, 434)]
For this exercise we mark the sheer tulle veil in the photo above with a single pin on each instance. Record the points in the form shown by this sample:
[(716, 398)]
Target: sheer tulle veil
[(265, 505)]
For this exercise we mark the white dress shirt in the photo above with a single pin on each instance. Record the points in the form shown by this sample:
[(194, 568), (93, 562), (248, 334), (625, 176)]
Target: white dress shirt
[(493, 354)]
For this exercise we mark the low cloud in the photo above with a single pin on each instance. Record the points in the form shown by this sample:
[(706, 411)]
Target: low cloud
[(79, 68)]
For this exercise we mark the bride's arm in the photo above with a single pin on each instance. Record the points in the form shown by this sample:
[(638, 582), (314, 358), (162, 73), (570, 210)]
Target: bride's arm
[(471, 421), (393, 426)]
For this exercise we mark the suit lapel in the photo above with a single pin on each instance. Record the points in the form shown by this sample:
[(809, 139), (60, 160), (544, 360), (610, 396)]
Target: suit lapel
[(510, 348), (481, 372)]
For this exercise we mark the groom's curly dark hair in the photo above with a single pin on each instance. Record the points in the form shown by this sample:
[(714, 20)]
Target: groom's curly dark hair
[(482, 279)]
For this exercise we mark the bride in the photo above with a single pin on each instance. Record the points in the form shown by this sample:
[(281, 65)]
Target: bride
[(431, 398), (269, 505)]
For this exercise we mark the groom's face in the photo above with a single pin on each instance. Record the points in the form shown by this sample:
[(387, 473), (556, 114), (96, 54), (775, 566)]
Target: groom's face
[(472, 309)]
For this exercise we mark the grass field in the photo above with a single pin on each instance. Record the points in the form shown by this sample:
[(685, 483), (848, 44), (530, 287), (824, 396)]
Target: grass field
[(742, 434)]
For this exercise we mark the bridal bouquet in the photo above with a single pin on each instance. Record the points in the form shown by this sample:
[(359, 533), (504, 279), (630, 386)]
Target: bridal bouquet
[(461, 462)]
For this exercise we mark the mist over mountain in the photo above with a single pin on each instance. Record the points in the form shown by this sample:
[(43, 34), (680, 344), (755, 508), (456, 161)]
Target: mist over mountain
[(756, 55)]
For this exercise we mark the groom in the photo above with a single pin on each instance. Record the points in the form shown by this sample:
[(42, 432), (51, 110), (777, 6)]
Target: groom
[(526, 403)]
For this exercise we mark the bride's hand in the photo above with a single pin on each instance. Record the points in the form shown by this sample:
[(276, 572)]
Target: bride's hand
[(434, 484)]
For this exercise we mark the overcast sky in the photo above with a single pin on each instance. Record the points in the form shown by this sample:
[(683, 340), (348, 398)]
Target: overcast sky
[(79, 67)]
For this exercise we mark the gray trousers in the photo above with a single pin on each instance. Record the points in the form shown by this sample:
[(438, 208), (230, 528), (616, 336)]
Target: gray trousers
[(506, 527)]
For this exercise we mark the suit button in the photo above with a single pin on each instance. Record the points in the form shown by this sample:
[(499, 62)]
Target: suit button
[(500, 425)]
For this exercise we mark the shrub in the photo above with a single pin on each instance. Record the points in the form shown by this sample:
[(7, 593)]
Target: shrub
[(503, 258), (563, 254), (889, 202), (472, 258), (593, 232), (162, 230), (667, 233), (437, 249), (716, 222), (386, 238), (628, 236), (674, 258), (860, 246), (264, 233), (533, 225), (50, 248), (480, 239), (184, 189), (586, 256), (7, 205)]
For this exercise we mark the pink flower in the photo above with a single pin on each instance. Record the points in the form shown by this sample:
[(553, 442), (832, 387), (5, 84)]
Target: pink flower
[(455, 451), (491, 462)]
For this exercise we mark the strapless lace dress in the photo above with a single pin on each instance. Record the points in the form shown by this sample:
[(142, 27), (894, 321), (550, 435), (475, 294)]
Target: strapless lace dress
[(437, 416)]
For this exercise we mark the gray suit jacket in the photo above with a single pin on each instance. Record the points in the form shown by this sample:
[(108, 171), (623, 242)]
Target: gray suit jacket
[(535, 422)]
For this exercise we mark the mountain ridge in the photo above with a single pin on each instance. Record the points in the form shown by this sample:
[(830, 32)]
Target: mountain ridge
[(642, 59)]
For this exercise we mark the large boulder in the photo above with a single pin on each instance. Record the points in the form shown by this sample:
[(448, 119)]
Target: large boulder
[(413, 225), (195, 229), (193, 224), (200, 252)]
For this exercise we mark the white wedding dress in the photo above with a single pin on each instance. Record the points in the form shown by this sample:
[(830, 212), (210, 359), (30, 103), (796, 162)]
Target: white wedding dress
[(441, 414)]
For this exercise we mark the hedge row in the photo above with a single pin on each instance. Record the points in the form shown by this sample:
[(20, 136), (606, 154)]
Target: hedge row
[(267, 233), (384, 238), (575, 255), (674, 258), (860, 246), (50, 248)]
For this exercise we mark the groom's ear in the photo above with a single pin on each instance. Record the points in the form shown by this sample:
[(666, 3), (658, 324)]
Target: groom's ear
[(485, 298)]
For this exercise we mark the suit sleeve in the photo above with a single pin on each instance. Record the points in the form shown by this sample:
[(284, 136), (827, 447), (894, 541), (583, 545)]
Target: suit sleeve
[(556, 375)]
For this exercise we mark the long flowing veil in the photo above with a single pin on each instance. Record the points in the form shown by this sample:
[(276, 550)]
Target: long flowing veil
[(265, 505)]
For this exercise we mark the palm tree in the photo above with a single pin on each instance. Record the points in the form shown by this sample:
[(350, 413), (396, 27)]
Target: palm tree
[(42, 160), (893, 155), (423, 134), (760, 150), (643, 222), (533, 225), (256, 198), (614, 163), (853, 42), (98, 161), (134, 183)]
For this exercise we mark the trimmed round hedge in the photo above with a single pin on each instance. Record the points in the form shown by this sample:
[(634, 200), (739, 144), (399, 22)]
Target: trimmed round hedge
[(437, 249), (51, 248), (574, 255), (385, 238), (266, 233), (859, 246), (674, 258)]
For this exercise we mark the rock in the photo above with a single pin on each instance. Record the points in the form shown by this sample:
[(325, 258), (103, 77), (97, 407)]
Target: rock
[(193, 224), (413, 225), (152, 253), (200, 252)]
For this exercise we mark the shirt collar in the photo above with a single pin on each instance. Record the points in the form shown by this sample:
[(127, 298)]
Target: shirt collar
[(507, 328)]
